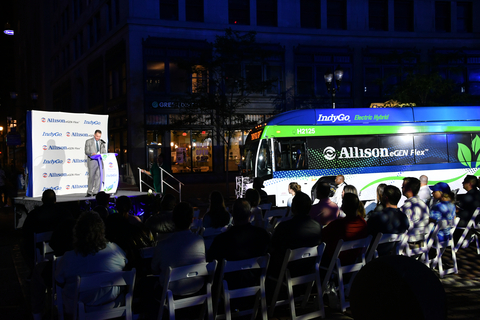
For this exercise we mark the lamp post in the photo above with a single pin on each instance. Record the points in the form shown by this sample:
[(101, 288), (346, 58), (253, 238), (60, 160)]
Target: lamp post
[(332, 81)]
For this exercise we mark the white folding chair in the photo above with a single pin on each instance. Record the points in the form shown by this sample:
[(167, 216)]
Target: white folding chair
[(310, 278), (419, 242), (42, 250), (441, 246), (383, 239), (470, 233), (271, 216), (204, 272), (120, 307), (336, 271), (256, 290)]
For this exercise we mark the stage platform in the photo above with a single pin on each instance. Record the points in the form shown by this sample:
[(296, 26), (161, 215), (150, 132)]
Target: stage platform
[(24, 204)]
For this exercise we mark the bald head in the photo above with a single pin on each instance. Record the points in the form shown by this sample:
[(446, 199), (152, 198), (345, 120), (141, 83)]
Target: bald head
[(423, 180)]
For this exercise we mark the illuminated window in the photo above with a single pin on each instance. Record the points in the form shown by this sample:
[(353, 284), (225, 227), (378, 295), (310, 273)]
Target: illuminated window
[(191, 151)]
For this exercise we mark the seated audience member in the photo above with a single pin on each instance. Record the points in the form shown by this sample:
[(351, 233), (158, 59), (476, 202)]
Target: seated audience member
[(253, 198), (102, 207), (258, 185), (389, 221), (179, 248), (41, 219), (217, 215), (468, 202), (361, 207), (160, 223), (375, 206), (415, 209), (299, 231), (325, 210), (293, 188), (92, 254), (129, 233), (437, 191), (352, 227), (61, 242), (242, 240), (424, 193), (445, 209)]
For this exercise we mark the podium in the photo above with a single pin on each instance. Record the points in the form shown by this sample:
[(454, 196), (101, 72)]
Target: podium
[(107, 162)]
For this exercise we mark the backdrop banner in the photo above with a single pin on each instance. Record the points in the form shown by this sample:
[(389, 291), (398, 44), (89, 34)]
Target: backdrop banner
[(56, 150)]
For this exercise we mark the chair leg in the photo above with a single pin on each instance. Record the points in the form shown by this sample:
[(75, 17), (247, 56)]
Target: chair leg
[(341, 291)]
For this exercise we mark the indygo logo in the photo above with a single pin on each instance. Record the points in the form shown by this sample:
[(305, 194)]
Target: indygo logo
[(56, 188), (93, 123), (53, 161), (333, 118), (51, 134), (44, 120), (45, 175)]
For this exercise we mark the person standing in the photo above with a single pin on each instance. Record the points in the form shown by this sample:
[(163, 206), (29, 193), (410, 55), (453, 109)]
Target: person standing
[(94, 146), (415, 209), (155, 173), (424, 193), (340, 184)]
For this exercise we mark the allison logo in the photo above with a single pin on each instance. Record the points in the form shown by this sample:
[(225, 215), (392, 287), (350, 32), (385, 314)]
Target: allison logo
[(68, 134), (45, 175), (44, 120), (69, 160), (44, 147), (67, 187), (110, 165), (329, 153)]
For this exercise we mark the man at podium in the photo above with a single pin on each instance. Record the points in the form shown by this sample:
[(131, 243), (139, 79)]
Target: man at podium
[(94, 146)]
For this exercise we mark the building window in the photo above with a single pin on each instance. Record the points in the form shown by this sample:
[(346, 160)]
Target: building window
[(237, 140), (464, 17), (116, 85), (194, 10), (310, 14), (117, 11), (378, 15), (156, 76), (191, 151), (97, 26), (109, 16), (168, 77), (239, 12), (442, 16), (91, 34), (79, 44), (403, 15), (267, 13), (200, 79), (337, 14), (169, 10)]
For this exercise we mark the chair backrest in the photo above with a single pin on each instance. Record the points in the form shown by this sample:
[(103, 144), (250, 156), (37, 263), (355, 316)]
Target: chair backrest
[(385, 238), (310, 275), (42, 250), (147, 252), (121, 307), (272, 216), (204, 272), (361, 244), (247, 289), (463, 242)]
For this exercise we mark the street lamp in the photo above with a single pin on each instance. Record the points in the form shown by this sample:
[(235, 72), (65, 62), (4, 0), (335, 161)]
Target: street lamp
[(332, 86)]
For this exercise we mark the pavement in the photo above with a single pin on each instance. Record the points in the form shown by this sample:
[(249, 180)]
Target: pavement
[(462, 289)]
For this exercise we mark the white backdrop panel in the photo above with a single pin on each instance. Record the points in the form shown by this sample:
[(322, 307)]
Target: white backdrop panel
[(56, 153)]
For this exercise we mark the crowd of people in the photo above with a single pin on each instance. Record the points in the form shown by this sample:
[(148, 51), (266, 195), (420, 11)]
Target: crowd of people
[(109, 238)]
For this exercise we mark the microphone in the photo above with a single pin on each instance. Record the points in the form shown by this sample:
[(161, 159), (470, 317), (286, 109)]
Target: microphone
[(101, 140)]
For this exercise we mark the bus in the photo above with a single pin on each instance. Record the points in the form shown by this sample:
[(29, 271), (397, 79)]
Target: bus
[(367, 146)]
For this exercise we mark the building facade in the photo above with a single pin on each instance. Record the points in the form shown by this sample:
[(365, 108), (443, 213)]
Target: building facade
[(118, 57)]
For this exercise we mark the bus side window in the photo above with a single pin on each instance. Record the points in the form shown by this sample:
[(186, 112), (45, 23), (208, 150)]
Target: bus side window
[(264, 161)]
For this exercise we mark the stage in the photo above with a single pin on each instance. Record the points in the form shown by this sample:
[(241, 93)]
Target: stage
[(24, 204)]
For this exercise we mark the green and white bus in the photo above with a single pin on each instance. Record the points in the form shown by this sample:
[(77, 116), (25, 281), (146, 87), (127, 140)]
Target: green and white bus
[(367, 146)]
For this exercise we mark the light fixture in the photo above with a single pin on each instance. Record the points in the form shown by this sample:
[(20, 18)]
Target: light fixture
[(8, 30), (332, 81)]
